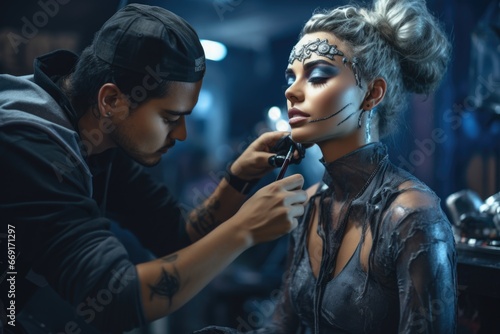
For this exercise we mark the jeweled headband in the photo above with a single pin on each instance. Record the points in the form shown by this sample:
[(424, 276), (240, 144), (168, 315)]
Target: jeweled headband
[(322, 48)]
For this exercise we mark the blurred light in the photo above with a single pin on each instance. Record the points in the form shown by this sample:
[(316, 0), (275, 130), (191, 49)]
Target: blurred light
[(274, 113), (205, 101), (214, 50), (471, 126), (282, 125)]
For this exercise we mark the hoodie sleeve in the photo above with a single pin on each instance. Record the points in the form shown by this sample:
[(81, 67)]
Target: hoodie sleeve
[(61, 234), (145, 207)]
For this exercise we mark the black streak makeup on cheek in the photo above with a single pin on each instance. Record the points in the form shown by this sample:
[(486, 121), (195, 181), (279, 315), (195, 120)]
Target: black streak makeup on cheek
[(330, 116), (345, 119)]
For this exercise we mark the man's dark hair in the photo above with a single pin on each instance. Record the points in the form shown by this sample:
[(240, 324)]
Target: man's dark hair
[(91, 73)]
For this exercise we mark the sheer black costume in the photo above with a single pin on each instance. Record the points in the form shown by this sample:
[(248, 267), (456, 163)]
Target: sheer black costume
[(409, 285)]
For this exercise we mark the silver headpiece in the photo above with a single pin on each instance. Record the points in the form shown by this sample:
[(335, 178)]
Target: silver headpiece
[(322, 48)]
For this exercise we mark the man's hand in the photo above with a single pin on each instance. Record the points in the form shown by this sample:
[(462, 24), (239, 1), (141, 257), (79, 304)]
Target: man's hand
[(273, 210), (253, 163), (167, 283)]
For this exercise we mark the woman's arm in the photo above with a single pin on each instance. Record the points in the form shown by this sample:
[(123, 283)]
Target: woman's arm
[(424, 253)]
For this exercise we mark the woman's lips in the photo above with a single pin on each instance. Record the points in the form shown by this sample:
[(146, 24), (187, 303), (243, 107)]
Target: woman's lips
[(296, 116)]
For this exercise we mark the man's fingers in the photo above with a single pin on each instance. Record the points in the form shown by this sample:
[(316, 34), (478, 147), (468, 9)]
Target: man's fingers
[(294, 222), (292, 182), (269, 139), (296, 210)]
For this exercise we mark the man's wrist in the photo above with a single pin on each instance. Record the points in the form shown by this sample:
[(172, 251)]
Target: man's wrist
[(239, 184)]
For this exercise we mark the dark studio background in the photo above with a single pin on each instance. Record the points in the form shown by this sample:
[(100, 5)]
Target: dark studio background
[(450, 140)]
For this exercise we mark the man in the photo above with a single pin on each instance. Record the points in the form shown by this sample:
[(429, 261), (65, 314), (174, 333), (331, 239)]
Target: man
[(71, 138)]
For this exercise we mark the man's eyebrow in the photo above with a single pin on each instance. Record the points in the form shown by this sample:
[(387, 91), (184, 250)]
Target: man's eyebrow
[(177, 113)]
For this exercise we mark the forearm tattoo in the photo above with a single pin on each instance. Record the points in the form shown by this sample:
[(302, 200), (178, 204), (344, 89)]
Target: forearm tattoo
[(170, 258), (167, 285), (203, 219)]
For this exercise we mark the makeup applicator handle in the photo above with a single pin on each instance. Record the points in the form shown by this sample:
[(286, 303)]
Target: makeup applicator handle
[(284, 167)]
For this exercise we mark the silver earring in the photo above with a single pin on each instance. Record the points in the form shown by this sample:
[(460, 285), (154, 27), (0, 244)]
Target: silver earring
[(368, 123), (108, 114), (359, 118)]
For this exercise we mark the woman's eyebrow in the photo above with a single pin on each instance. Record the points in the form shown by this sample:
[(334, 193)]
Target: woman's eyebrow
[(316, 62), (309, 65)]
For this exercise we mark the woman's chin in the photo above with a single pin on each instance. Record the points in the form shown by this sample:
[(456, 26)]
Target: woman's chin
[(301, 138)]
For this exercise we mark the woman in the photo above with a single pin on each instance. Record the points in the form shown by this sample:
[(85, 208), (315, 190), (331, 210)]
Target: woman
[(374, 252)]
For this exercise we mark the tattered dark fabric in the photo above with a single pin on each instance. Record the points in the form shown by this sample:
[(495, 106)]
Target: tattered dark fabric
[(410, 283)]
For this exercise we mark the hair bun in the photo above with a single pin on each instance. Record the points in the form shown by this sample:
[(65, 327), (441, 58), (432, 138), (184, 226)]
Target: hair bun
[(417, 38)]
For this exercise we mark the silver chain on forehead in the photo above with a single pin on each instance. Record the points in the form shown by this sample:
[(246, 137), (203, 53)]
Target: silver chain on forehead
[(322, 48)]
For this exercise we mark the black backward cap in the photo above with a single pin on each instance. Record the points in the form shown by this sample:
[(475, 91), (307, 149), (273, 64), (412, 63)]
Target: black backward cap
[(149, 39)]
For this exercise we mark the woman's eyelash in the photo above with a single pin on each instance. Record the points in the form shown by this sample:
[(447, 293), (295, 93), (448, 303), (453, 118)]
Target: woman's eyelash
[(318, 81), (319, 84)]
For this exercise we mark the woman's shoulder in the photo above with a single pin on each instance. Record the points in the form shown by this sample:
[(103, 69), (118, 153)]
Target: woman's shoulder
[(394, 184), (410, 201), (313, 189)]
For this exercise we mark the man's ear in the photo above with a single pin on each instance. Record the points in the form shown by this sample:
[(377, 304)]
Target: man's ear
[(111, 101), (375, 94)]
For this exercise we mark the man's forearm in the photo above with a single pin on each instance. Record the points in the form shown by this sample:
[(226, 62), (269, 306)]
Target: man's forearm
[(219, 207), (169, 282)]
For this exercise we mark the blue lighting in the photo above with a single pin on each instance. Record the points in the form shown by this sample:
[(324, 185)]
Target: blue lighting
[(205, 103), (214, 50)]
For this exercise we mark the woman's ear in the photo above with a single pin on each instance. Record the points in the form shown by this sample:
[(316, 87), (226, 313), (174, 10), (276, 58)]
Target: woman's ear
[(375, 94), (111, 102)]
